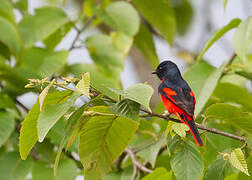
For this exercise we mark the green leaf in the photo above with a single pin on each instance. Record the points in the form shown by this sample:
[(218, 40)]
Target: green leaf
[(150, 154), (28, 133), (103, 51), (124, 17), (126, 108), (55, 106), (83, 85), (160, 15), (208, 88), (41, 25), (235, 94), (242, 39), (158, 174), (180, 129), (22, 5), (242, 175), (144, 42), (184, 14), (238, 161), (44, 93), (127, 174), (111, 135), (9, 35), (217, 35), (47, 63), (218, 169), (245, 74), (225, 3), (140, 93), (122, 42), (67, 170), (7, 125), (13, 168), (196, 76), (230, 114), (6, 10), (187, 162)]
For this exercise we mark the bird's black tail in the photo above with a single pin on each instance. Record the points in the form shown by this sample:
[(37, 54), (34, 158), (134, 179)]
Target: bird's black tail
[(193, 129)]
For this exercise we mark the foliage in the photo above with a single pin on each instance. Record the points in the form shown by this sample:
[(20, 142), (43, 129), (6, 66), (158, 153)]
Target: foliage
[(43, 141)]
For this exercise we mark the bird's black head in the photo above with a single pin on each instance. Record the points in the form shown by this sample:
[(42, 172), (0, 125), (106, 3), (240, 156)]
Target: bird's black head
[(167, 70)]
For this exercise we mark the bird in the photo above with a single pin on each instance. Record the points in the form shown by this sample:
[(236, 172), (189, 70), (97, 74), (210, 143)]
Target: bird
[(177, 96)]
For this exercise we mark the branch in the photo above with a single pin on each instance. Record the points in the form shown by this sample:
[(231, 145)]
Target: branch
[(211, 130), (136, 164), (79, 32)]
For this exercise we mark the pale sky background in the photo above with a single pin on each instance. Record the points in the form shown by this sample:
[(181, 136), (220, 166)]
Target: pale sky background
[(193, 40)]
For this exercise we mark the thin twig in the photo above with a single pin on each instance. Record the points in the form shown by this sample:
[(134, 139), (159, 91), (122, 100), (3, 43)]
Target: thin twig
[(80, 31), (135, 162)]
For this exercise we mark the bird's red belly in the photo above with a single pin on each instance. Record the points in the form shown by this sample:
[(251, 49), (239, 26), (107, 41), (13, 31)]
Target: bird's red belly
[(170, 107)]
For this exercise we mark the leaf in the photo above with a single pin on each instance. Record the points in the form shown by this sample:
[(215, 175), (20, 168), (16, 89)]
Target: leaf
[(218, 169), (150, 154), (161, 16), (238, 161), (124, 17), (140, 93), (235, 94), (83, 85), (217, 35), (6, 10), (242, 175), (103, 51), (111, 135), (47, 63), (144, 42), (187, 162), (67, 170), (9, 35), (28, 133), (180, 129), (208, 88), (7, 125), (44, 93), (13, 168), (225, 3), (41, 25), (55, 107), (231, 114), (122, 42), (196, 76), (126, 108), (158, 174), (242, 39), (22, 5), (184, 14), (245, 74)]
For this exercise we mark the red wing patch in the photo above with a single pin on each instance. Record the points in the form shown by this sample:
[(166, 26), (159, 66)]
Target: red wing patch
[(170, 93), (191, 93)]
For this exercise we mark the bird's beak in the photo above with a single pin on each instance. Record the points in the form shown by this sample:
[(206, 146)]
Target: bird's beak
[(154, 72)]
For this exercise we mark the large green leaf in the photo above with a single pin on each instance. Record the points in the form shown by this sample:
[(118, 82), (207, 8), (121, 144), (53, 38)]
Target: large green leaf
[(242, 175), (7, 125), (13, 168), (208, 88), (144, 42), (41, 62), (9, 35), (140, 93), (123, 17), (217, 35), (159, 14), (184, 14), (159, 174), (187, 162), (111, 135), (28, 133), (218, 169), (55, 106), (39, 26), (67, 170), (235, 94), (197, 75), (230, 114), (242, 40), (6, 10), (126, 108)]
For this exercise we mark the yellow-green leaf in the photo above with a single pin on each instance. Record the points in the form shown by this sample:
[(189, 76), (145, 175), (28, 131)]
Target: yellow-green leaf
[(44, 93), (238, 161), (83, 85)]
